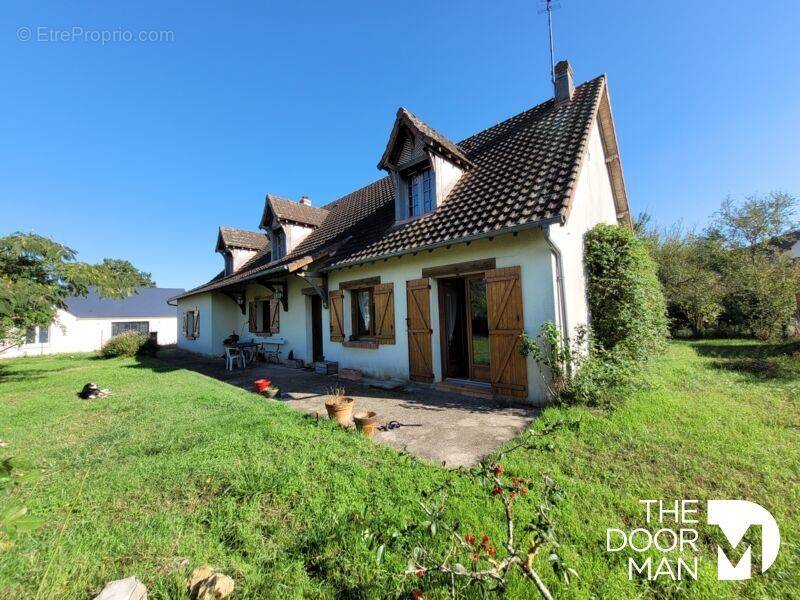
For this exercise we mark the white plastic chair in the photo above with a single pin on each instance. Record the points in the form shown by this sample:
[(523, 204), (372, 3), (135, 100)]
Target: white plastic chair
[(233, 357)]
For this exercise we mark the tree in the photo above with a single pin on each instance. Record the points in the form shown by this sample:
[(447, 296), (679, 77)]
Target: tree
[(755, 221), (38, 274), (761, 281)]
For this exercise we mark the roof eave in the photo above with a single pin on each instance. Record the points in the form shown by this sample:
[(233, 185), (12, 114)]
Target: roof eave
[(462, 240)]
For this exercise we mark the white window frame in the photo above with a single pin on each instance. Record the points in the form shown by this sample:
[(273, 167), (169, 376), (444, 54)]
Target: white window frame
[(37, 337), (417, 178)]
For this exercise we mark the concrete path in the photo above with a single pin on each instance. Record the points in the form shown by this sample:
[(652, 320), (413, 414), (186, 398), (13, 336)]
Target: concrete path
[(445, 428)]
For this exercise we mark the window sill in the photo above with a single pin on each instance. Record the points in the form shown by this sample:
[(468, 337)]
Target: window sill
[(367, 344)]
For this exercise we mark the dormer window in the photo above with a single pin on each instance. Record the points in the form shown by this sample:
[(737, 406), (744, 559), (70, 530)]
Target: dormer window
[(228, 263), (278, 244), (424, 166), (419, 192)]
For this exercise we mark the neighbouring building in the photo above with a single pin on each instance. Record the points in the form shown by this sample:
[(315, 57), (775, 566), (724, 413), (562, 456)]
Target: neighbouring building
[(431, 272), (88, 322)]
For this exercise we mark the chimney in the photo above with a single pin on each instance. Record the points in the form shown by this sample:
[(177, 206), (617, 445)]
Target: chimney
[(563, 84), (305, 200)]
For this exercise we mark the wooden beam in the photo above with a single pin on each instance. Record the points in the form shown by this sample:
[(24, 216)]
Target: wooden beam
[(472, 266), (358, 283), (238, 298)]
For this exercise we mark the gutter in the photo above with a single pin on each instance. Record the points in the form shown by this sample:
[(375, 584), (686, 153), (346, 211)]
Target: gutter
[(560, 293)]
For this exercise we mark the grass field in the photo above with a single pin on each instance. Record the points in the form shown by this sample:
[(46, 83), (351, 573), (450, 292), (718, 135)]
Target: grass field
[(178, 467)]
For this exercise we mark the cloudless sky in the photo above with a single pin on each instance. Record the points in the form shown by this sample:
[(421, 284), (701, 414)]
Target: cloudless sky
[(140, 150)]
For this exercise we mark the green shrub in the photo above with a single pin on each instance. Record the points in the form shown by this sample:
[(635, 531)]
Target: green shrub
[(577, 371), (626, 302), (124, 344)]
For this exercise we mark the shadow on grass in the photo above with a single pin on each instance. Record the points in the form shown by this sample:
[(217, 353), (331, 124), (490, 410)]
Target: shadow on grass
[(778, 362)]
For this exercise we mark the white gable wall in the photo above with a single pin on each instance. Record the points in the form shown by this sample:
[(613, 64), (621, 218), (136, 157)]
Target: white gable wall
[(593, 204)]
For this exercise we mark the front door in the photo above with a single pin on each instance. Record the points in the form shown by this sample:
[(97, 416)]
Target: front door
[(464, 328), (316, 327)]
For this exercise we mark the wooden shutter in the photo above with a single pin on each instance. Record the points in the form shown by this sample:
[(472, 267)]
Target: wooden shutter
[(196, 323), (274, 316), (504, 302), (383, 296), (252, 317), (418, 322), (335, 303), (185, 320)]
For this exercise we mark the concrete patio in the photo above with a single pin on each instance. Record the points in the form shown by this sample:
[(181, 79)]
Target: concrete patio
[(446, 428)]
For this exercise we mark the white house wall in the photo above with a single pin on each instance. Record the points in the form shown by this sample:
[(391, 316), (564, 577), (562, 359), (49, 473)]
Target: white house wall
[(527, 250), (202, 303), (70, 334), (593, 204)]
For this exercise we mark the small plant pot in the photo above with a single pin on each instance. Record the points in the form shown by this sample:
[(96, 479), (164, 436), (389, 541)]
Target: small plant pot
[(272, 392), (262, 385), (366, 422), (340, 409)]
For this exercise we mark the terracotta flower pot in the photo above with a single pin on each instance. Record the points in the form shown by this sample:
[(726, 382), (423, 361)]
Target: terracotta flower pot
[(366, 422), (261, 385), (341, 409)]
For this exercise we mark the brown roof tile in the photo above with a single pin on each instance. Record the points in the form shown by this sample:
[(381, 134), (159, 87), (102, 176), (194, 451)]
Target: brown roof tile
[(289, 210), (241, 238)]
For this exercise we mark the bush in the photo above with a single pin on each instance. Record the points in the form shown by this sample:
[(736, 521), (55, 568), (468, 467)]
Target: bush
[(626, 302), (125, 344), (579, 372)]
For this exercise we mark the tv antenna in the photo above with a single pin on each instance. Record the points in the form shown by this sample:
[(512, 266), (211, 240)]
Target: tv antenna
[(548, 6)]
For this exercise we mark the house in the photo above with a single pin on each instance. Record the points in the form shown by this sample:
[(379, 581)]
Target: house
[(431, 272), (87, 322)]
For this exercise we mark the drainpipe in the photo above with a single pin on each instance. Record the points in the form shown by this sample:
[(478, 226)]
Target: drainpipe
[(561, 296)]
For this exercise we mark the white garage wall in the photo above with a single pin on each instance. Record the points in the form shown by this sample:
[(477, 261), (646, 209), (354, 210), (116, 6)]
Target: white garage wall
[(69, 334)]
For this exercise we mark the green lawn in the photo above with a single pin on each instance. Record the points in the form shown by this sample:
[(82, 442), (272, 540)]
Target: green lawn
[(178, 466)]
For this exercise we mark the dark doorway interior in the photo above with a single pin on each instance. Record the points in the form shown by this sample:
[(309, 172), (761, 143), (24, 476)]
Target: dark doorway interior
[(316, 327), (464, 328)]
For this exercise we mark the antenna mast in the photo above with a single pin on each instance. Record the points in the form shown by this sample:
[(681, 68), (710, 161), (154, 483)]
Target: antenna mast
[(549, 6)]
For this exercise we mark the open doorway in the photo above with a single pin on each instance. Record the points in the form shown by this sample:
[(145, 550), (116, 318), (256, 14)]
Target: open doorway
[(316, 328), (464, 327)]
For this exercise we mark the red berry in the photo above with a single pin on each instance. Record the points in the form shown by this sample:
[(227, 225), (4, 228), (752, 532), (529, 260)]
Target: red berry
[(498, 470), (497, 490), (523, 491), (474, 557), (470, 539), (491, 550), (416, 594), (421, 573), (485, 539)]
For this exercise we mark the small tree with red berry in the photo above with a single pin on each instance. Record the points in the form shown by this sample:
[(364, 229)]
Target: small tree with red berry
[(473, 559)]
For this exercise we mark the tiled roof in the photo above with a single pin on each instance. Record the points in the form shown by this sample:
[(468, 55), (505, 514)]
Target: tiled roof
[(524, 171), (289, 210), (241, 238)]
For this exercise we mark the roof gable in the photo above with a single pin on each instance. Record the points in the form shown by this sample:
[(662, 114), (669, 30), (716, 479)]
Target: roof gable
[(229, 238), (409, 139), (289, 211)]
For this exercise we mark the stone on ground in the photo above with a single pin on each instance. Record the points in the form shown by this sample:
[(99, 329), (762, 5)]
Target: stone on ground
[(206, 584), (123, 589)]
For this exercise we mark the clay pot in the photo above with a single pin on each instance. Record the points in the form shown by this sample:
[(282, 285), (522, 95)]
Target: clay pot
[(341, 409), (366, 422), (262, 385)]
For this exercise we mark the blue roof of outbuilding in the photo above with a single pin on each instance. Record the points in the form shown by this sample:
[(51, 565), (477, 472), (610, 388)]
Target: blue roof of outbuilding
[(147, 302)]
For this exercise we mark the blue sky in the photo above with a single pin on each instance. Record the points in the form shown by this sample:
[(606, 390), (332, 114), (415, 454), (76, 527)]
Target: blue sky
[(140, 150)]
